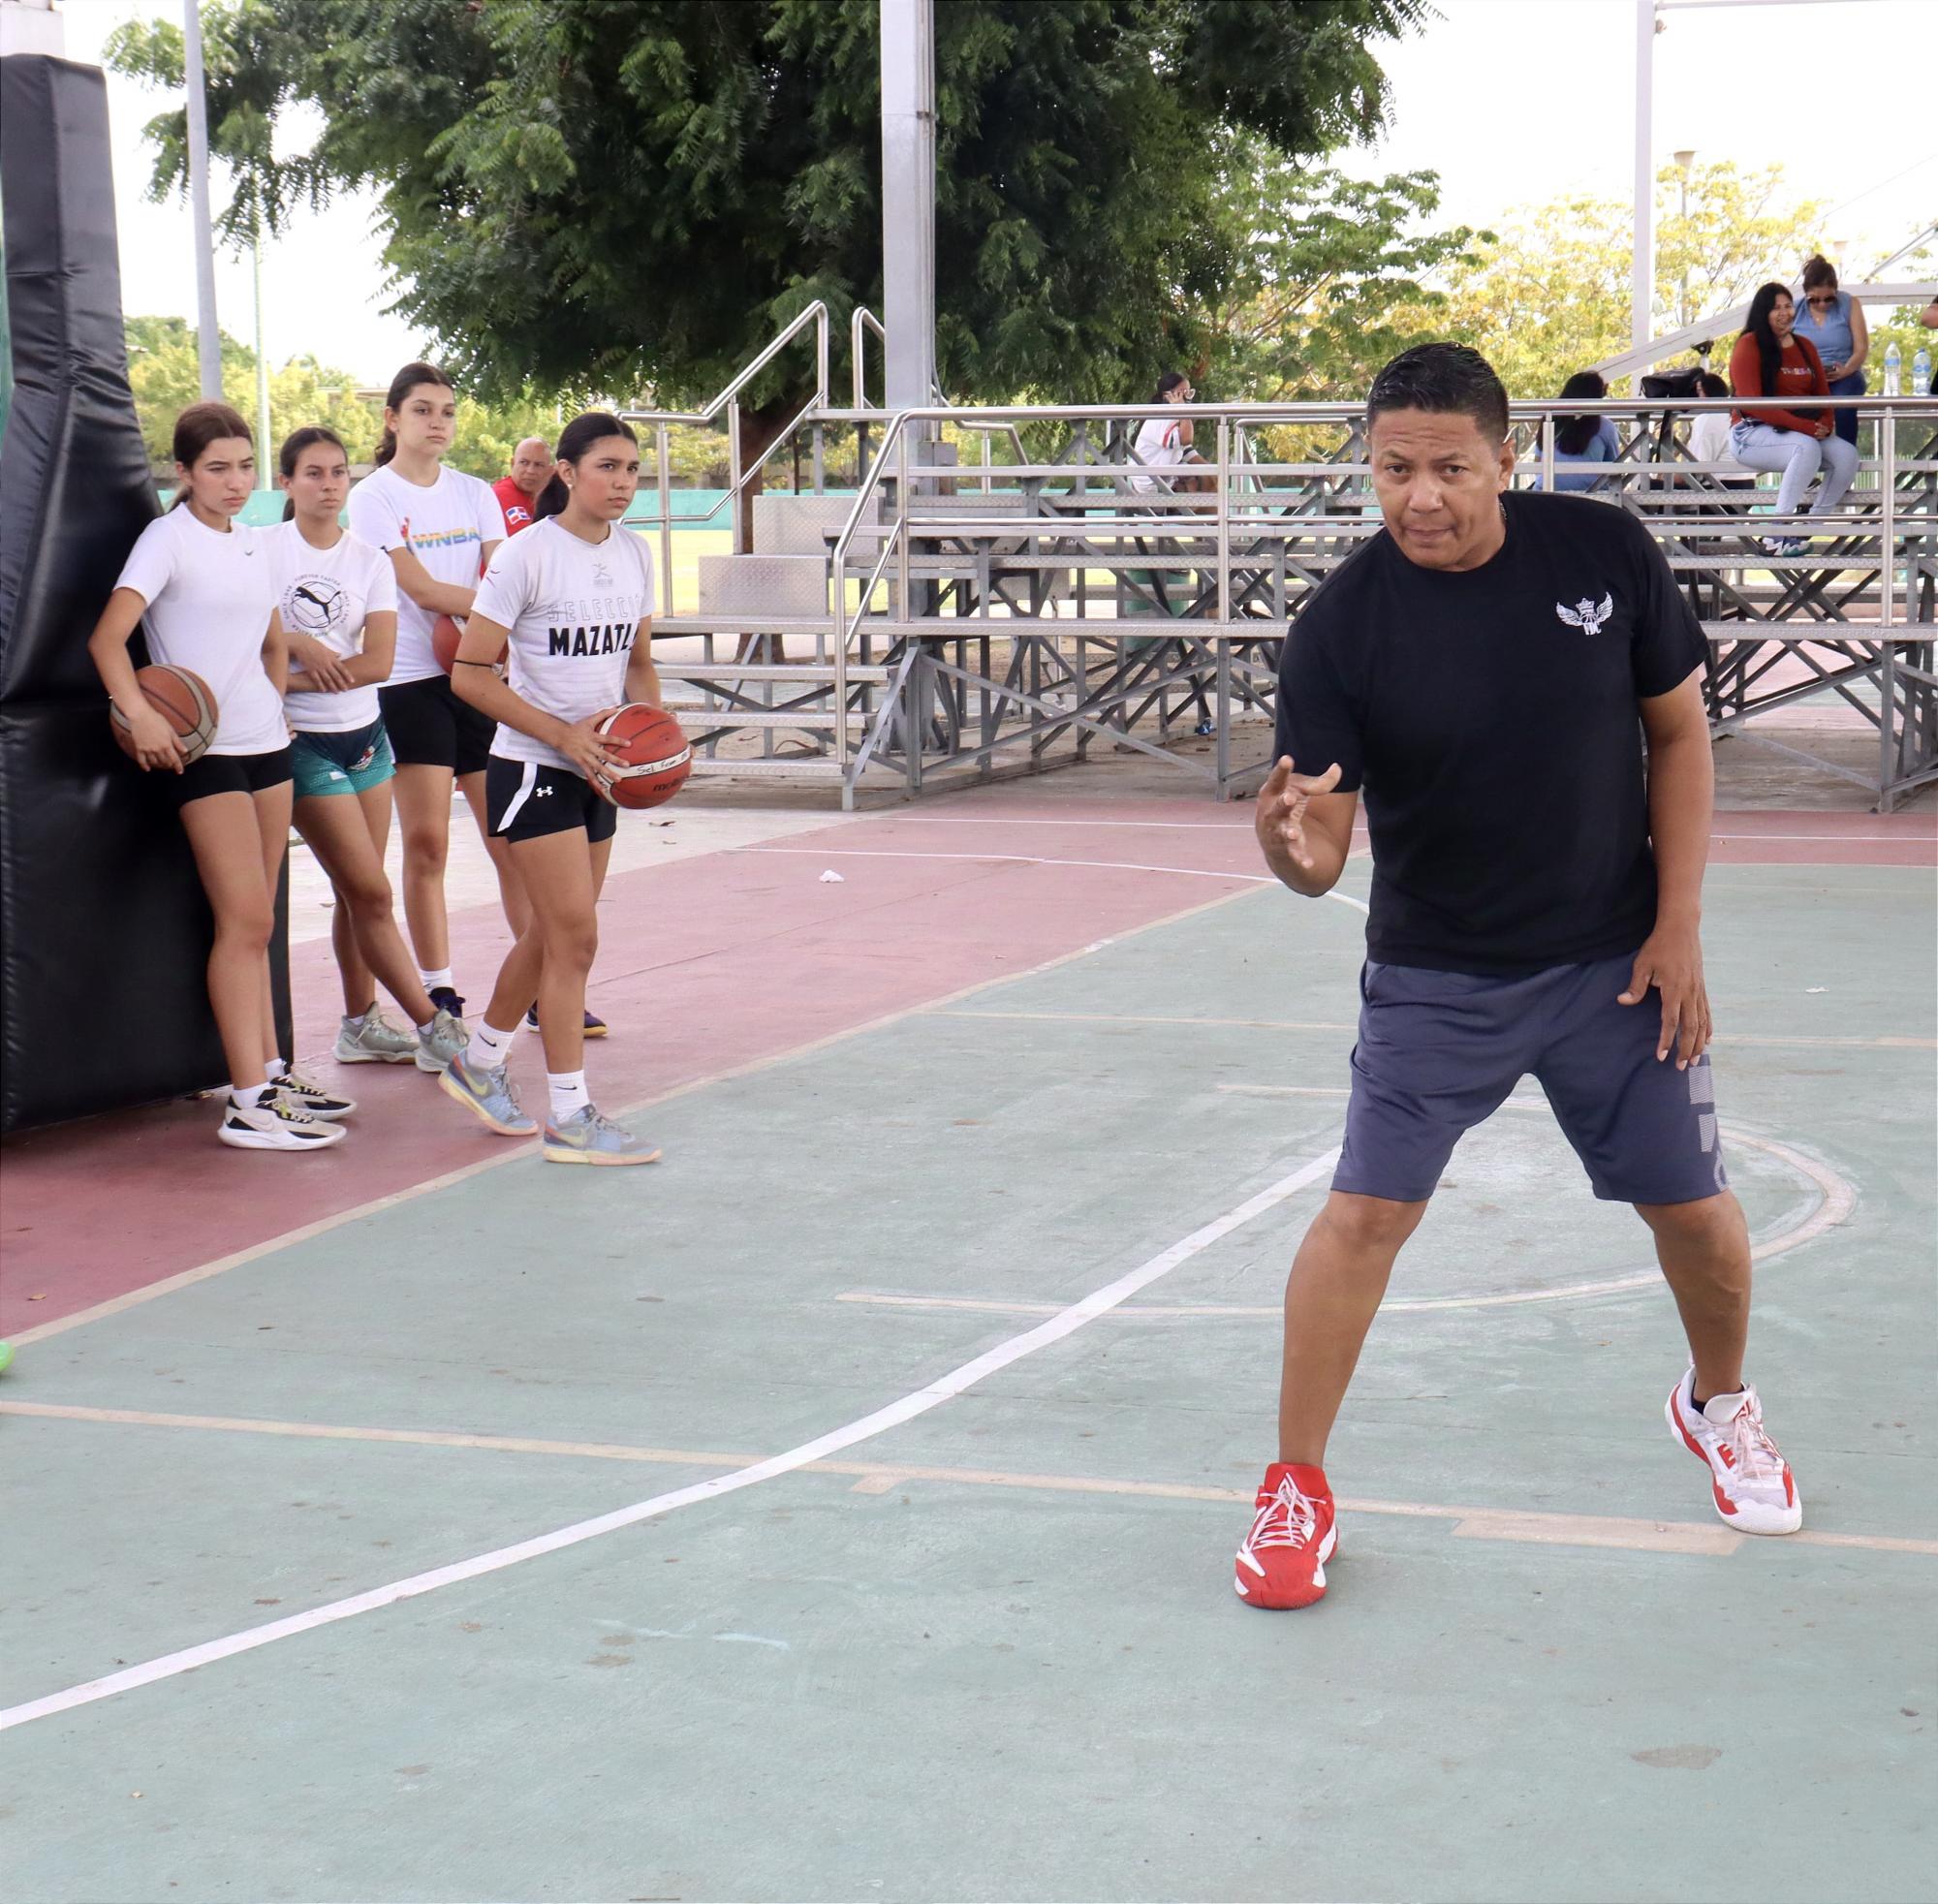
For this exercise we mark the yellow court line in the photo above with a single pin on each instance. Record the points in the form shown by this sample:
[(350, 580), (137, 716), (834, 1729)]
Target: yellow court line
[(511, 1153), (1470, 1523), (1800, 1042)]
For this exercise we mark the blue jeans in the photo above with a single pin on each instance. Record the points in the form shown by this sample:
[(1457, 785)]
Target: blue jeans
[(1847, 420)]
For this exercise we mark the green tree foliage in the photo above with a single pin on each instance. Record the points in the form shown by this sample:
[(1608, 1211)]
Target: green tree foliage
[(1321, 278), (1551, 294), (635, 197)]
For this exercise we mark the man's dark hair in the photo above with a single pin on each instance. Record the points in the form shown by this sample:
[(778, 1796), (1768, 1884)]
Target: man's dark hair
[(1446, 379)]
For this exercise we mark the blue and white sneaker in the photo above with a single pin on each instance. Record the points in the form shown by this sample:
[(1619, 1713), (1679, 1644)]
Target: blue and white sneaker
[(489, 1093), (439, 1042), (587, 1138)]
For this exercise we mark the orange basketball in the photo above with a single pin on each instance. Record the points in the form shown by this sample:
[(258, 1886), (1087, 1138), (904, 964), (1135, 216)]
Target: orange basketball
[(446, 632), (182, 699), (654, 757)]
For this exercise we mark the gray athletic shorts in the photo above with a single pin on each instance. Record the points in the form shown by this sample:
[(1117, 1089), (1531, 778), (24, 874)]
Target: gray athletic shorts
[(1440, 1051)]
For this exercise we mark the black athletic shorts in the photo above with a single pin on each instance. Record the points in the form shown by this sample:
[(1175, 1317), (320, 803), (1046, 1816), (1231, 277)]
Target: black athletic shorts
[(525, 801), (430, 726), (226, 773)]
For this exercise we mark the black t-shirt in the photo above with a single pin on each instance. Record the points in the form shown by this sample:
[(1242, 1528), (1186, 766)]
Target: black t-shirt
[(1488, 718)]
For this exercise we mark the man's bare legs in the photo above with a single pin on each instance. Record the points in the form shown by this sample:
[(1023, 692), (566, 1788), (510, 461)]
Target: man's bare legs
[(1704, 1248)]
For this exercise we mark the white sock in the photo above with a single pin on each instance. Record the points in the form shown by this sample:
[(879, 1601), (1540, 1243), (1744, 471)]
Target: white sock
[(277, 1068), (249, 1096), (433, 979), (568, 1093), (490, 1047)]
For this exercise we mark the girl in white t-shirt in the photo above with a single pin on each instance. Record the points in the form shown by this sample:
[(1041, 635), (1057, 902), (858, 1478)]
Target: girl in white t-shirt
[(439, 527), (200, 581), (338, 602), (569, 606), (1163, 443)]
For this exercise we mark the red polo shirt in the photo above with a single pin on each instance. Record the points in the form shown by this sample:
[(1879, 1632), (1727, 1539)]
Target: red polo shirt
[(517, 505)]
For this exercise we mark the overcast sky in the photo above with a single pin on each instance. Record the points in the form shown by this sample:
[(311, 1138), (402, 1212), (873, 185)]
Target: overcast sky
[(1510, 101)]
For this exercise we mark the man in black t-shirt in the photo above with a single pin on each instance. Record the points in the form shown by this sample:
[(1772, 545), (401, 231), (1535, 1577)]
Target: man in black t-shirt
[(1485, 671)]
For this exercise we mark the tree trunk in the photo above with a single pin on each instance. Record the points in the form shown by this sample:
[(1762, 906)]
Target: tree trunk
[(758, 429)]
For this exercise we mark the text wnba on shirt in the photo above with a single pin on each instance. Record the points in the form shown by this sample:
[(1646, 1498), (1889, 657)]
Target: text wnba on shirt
[(610, 637)]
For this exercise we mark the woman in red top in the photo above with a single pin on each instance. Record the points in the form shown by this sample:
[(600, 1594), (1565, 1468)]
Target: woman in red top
[(1769, 360)]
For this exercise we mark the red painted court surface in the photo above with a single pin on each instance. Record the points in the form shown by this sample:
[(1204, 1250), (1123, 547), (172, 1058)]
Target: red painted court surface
[(707, 965)]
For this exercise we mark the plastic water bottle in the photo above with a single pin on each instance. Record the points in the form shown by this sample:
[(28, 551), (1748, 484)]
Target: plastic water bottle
[(1920, 373), (1894, 361)]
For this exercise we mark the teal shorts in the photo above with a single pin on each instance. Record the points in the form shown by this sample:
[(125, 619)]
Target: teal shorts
[(342, 762)]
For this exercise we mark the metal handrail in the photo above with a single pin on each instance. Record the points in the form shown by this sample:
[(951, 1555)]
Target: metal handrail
[(815, 313), (863, 318)]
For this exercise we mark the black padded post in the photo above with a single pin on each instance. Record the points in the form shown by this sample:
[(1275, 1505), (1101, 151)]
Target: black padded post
[(104, 931)]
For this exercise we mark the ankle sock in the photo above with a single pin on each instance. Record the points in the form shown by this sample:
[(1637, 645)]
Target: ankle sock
[(489, 1046), (433, 979), (568, 1093), (248, 1096), (277, 1069)]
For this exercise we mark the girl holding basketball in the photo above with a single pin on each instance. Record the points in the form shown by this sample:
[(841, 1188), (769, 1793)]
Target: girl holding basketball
[(202, 582), (569, 602), (438, 527), (338, 602)]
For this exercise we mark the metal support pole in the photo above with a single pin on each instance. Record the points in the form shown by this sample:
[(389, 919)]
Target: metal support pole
[(734, 473), (1642, 279), (208, 339), (664, 480), (1224, 519), (908, 204), (1888, 752), (264, 431)]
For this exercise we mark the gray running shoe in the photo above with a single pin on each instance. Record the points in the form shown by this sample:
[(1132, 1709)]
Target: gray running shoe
[(373, 1038), (488, 1094), (586, 1137), (277, 1123), (305, 1095), (441, 1041)]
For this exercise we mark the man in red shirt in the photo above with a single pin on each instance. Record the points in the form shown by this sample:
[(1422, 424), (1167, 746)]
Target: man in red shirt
[(531, 471)]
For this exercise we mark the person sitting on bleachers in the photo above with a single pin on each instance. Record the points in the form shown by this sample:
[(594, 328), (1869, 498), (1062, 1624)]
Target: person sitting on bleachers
[(1163, 443), (1585, 440)]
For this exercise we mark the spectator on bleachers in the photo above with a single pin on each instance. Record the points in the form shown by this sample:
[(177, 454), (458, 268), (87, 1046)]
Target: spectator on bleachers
[(1769, 360), (1586, 440), (1709, 432), (1835, 321), (1163, 444), (518, 490)]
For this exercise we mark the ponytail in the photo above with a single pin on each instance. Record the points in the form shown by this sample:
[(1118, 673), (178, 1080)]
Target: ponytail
[(578, 437), (408, 379)]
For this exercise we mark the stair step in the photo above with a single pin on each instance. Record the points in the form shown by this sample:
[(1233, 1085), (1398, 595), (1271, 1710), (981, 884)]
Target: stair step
[(813, 768), (692, 714)]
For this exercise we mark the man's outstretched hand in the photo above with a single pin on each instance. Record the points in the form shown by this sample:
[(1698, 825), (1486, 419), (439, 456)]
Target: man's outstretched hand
[(1280, 814)]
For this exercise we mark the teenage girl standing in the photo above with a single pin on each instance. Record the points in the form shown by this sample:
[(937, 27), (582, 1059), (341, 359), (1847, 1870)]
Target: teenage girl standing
[(337, 597), (202, 582), (439, 527), (572, 600)]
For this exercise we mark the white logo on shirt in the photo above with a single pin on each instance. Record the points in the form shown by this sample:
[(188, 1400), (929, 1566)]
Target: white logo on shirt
[(1587, 615)]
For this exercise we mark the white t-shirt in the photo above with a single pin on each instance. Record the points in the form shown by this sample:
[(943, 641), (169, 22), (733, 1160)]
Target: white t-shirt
[(326, 593), (1158, 448), (1709, 438), (445, 526), (573, 607), (211, 596)]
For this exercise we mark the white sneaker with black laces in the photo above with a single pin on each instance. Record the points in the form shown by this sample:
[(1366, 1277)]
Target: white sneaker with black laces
[(1754, 1489), (275, 1124), (306, 1095)]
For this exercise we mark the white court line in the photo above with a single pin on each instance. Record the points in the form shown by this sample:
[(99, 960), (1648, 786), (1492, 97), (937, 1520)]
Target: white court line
[(943, 1389), (1837, 1198), (1031, 860)]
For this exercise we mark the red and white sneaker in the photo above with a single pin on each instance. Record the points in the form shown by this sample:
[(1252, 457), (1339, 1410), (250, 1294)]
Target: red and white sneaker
[(1752, 1483), (1282, 1560)]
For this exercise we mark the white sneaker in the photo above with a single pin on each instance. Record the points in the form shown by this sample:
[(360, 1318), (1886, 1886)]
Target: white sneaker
[(1752, 1483), (306, 1095), (373, 1038), (275, 1124)]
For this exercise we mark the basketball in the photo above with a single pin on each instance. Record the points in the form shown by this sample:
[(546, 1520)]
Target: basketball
[(654, 757), (183, 699), (446, 632)]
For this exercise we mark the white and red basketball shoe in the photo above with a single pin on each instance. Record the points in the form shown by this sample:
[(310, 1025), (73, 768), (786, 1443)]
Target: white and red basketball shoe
[(1282, 1560), (1752, 1483)]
